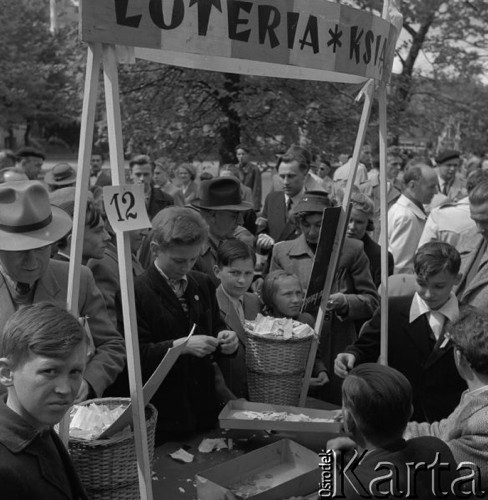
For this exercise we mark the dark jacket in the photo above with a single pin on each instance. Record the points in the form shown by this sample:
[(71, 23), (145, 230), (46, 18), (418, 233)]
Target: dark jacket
[(157, 201), (186, 399), (412, 350), (373, 252), (30, 462), (279, 227)]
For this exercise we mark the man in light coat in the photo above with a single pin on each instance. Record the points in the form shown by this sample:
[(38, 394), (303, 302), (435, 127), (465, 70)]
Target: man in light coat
[(406, 218)]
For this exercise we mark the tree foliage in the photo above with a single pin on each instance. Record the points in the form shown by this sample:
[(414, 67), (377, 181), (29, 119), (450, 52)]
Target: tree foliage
[(194, 114), (189, 114), (37, 79)]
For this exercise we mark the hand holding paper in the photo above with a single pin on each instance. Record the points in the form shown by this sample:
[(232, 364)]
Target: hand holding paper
[(228, 341), (200, 345)]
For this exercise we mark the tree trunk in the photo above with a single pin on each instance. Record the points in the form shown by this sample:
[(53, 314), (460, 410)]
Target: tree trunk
[(230, 133), (27, 132)]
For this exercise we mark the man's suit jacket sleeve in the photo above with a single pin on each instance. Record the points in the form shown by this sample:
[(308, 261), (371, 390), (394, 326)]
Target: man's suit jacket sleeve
[(264, 214), (364, 300), (367, 346), (109, 357), (276, 263), (107, 282)]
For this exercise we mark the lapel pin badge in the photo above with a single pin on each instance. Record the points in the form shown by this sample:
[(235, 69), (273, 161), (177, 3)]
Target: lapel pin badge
[(196, 297)]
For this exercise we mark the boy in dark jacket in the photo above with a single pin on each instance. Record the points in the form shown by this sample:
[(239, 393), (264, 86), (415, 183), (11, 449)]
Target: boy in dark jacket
[(43, 353)]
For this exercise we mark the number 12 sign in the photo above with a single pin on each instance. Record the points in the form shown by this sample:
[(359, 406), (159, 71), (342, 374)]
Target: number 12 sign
[(125, 207)]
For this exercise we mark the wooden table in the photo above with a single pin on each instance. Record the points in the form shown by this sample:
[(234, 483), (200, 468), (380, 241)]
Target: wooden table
[(175, 480)]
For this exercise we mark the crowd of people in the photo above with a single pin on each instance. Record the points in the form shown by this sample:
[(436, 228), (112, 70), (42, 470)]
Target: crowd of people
[(217, 256)]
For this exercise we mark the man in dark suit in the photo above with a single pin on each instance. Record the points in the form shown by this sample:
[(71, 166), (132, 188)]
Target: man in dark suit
[(141, 172), (274, 224), (417, 343), (97, 176)]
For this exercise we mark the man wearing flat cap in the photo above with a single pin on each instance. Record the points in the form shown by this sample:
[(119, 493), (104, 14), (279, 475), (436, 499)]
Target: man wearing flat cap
[(452, 187), (29, 225), (29, 162)]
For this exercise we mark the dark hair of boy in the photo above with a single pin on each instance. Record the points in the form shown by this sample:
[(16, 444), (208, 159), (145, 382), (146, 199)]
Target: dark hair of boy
[(176, 226), (141, 160), (469, 334), (41, 329), (232, 250), (379, 399), (435, 257)]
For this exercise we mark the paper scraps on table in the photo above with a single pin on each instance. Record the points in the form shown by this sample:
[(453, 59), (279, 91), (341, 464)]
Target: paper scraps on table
[(209, 445), (182, 456)]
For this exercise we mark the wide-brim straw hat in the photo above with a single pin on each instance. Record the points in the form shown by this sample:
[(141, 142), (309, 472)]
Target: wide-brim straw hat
[(222, 193), (27, 219), (62, 174)]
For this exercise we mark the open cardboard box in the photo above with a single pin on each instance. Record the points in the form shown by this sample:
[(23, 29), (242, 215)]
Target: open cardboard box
[(274, 472), (231, 418)]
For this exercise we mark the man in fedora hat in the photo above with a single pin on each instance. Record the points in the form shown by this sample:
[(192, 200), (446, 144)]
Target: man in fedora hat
[(60, 176), (220, 204), (28, 227)]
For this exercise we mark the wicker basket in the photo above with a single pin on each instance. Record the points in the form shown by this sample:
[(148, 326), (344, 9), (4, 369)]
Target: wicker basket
[(275, 368), (108, 467)]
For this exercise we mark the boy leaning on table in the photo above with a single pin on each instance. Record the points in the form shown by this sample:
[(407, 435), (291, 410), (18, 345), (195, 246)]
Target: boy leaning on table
[(43, 353)]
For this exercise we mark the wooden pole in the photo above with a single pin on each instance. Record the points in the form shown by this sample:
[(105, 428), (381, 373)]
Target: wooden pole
[(114, 124), (384, 224), (368, 91), (81, 194)]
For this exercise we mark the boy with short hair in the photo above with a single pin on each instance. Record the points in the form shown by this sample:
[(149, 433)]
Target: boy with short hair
[(235, 270), (465, 430), (417, 345), (43, 353), (376, 406)]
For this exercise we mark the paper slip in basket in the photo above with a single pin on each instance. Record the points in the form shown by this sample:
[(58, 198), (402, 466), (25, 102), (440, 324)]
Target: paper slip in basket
[(150, 387)]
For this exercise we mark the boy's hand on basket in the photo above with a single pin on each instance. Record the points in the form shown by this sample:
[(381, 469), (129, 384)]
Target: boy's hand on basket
[(228, 341), (201, 345)]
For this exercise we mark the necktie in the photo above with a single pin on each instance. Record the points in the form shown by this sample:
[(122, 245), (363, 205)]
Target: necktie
[(22, 288), (445, 189), (436, 322), (289, 204)]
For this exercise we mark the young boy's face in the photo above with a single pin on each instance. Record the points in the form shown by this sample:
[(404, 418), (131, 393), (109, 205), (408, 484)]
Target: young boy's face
[(236, 278), (42, 389), (436, 290)]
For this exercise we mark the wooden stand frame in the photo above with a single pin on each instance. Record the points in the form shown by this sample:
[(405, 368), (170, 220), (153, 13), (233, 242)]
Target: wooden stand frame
[(105, 56)]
